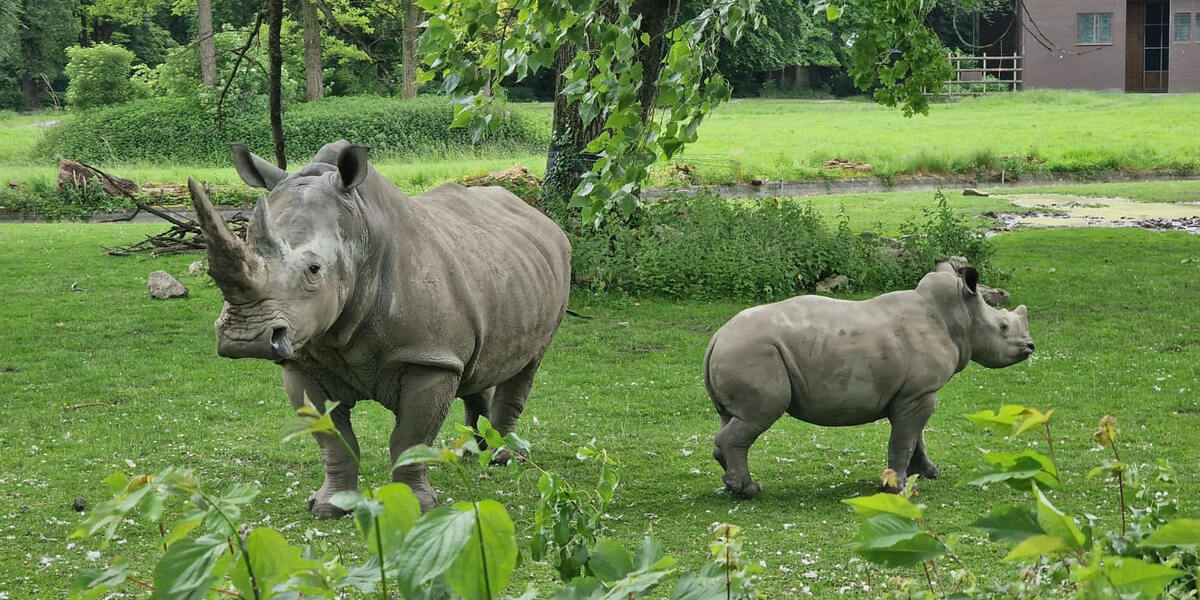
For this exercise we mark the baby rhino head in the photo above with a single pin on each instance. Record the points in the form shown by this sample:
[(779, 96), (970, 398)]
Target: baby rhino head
[(998, 337)]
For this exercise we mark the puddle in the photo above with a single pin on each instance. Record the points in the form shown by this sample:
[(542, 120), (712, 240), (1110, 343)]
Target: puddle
[(1061, 210)]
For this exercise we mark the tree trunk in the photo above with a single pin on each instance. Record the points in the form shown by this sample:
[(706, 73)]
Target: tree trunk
[(208, 48), (408, 49), (275, 57), (314, 83), (30, 92), (567, 162)]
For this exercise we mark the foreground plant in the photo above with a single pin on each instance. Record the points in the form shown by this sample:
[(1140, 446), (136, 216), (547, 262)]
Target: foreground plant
[(1150, 558), (467, 550)]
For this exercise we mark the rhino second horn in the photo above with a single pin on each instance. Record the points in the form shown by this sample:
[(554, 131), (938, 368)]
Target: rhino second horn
[(230, 261), (261, 234)]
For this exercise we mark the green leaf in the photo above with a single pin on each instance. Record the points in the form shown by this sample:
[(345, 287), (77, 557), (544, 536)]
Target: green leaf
[(1034, 418), (1037, 545), (1134, 578), (401, 511), (1056, 523), (1001, 421), (895, 542), (1180, 532), (489, 433), (309, 420), (833, 12), (272, 559), (1009, 524), (431, 547), (1016, 470), (422, 454), (488, 560), (89, 584), (610, 561), (884, 504), (185, 570), (580, 588), (517, 444)]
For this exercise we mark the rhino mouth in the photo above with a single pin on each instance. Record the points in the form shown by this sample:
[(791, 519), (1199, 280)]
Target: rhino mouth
[(273, 342)]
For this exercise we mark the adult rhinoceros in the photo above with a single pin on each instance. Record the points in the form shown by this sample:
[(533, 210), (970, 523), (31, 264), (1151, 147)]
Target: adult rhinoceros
[(360, 292)]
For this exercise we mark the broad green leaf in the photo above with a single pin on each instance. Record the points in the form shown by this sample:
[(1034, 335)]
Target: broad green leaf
[(1134, 578), (422, 454), (363, 577), (1001, 421), (1037, 545), (1016, 470), (309, 420), (895, 542), (489, 433), (1180, 532), (488, 560), (516, 443), (884, 504), (833, 12), (580, 588), (401, 511), (89, 584), (273, 561), (431, 546), (185, 570), (1033, 418), (1056, 523), (610, 561), (692, 586), (1009, 524)]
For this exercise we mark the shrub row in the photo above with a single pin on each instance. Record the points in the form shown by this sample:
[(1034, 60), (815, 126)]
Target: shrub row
[(706, 247), (181, 130)]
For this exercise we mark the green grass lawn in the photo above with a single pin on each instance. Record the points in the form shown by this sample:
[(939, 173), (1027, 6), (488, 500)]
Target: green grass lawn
[(97, 377), (1034, 132)]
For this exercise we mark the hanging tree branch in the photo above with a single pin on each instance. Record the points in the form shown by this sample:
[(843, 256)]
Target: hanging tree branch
[(241, 54)]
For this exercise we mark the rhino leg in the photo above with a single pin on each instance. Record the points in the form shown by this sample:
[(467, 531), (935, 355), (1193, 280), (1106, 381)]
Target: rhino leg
[(477, 405), (341, 470), (908, 418), (731, 448), (423, 398), (509, 402), (920, 463)]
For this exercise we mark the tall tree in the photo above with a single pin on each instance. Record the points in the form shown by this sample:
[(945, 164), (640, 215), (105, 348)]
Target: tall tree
[(408, 49), (314, 82), (275, 95), (208, 47), (46, 28)]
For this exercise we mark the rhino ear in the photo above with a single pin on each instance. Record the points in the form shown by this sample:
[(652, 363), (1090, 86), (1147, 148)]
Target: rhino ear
[(1021, 311), (944, 266), (352, 165), (255, 171), (971, 278)]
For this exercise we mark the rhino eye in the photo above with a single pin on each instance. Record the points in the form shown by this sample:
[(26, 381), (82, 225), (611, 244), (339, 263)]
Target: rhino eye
[(314, 269), (1003, 326)]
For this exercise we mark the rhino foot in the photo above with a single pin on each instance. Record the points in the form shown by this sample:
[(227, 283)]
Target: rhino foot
[(746, 490), (322, 509), (927, 470)]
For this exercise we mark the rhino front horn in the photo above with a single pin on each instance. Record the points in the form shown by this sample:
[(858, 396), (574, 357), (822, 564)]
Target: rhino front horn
[(230, 261)]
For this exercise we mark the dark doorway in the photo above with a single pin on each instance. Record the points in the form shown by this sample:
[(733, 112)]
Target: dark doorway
[(1157, 46)]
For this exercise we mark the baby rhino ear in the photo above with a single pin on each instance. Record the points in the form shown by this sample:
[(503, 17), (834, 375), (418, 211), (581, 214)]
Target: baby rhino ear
[(255, 171), (1021, 312), (352, 165), (971, 278)]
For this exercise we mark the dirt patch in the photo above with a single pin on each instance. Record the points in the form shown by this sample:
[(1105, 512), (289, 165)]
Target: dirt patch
[(1061, 210)]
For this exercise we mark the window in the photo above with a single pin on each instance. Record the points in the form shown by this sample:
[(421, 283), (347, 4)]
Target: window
[(1094, 28), (1183, 27)]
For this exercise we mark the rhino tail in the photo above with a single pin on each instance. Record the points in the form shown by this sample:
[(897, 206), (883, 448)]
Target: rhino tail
[(708, 385)]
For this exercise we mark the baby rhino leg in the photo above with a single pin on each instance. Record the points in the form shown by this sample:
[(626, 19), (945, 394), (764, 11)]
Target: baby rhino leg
[(749, 401)]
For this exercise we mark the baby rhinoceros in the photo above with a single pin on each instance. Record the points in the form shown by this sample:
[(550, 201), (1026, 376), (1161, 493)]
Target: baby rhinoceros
[(839, 362)]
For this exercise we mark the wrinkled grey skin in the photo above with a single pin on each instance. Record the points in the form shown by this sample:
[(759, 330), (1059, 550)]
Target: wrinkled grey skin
[(361, 292), (838, 362)]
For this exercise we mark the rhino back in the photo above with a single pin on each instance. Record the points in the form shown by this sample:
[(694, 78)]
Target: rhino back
[(472, 279), (845, 361)]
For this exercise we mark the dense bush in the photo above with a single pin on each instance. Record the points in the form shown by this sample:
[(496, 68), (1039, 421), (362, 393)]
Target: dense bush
[(165, 130), (99, 76), (704, 246)]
